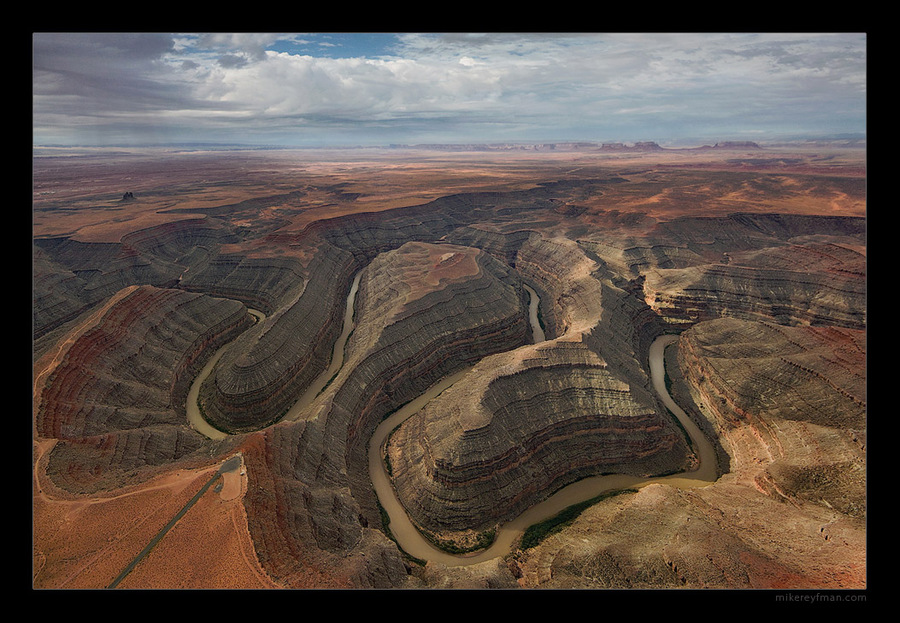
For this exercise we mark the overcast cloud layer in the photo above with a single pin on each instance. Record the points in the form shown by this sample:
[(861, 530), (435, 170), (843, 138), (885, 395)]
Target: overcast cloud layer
[(333, 89)]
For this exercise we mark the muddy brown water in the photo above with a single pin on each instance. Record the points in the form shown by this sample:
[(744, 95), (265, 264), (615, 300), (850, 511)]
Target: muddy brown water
[(405, 533), (297, 410), (411, 540)]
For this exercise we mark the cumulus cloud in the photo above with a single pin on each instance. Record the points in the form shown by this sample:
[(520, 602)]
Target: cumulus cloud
[(307, 88)]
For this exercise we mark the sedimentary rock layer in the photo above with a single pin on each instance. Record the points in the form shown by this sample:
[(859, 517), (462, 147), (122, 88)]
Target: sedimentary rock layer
[(119, 394), (261, 283), (415, 327), (264, 373), (518, 428), (71, 276), (790, 297), (501, 440), (789, 404), (542, 416), (422, 311)]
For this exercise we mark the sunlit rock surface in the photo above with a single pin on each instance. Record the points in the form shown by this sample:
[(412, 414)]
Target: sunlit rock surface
[(520, 427), (262, 375), (116, 402), (788, 405), (422, 312), (615, 262)]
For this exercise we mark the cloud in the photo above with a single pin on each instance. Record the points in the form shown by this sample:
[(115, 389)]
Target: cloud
[(459, 86)]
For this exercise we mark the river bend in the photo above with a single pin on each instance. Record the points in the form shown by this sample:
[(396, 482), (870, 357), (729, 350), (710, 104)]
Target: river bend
[(407, 536), (412, 541)]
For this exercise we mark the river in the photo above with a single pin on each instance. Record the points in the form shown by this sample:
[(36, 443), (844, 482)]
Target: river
[(537, 331), (407, 536), (197, 421), (411, 540), (337, 357), (195, 418)]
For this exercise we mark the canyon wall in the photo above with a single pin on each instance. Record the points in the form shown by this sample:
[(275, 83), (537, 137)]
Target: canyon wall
[(521, 427), (442, 289), (116, 401), (786, 406), (413, 326), (260, 377)]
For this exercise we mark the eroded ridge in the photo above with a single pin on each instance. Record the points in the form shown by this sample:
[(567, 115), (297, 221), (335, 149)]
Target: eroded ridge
[(778, 394), (116, 402), (615, 263), (258, 380), (522, 426)]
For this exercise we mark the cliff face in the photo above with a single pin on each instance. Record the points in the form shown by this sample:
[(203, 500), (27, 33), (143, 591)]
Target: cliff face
[(778, 396), (788, 406), (260, 283), (523, 424), (72, 276), (260, 377), (751, 292), (116, 402), (422, 312), (441, 289), (793, 270), (519, 427)]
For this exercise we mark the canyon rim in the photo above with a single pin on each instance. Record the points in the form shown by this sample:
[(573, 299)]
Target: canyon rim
[(229, 273)]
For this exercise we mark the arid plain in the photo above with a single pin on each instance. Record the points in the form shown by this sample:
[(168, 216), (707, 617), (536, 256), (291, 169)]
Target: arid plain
[(149, 267)]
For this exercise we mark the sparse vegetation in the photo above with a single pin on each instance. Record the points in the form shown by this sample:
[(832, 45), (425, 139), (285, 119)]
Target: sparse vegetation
[(540, 531)]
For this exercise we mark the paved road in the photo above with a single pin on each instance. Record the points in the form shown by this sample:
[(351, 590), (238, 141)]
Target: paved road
[(229, 465)]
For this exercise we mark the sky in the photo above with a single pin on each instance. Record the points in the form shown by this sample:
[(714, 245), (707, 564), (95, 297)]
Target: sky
[(370, 89)]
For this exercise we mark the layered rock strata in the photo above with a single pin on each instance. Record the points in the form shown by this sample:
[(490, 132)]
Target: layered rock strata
[(422, 312), (425, 310), (116, 402), (753, 293), (791, 269), (260, 283), (790, 399), (70, 276), (562, 275), (520, 426), (500, 440), (787, 405), (264, 373)]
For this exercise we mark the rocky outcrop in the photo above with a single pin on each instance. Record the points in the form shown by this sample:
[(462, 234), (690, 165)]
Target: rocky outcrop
[(441, 289), (790, 269), (263, 283), (422, 312), (413, 329), (788, 403), (307, 528), (521, 426), (263, 374), (788, 406), (499, 441), (736, 145), (116, 402), (638, 146), (561, 273), (759, 292), (71, 276)]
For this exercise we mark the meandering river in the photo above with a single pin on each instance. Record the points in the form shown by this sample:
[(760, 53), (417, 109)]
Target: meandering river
[(195, 418), (407, 536), (411, 540)]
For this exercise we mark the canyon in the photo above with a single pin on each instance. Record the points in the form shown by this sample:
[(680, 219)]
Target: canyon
[(147, 267)]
